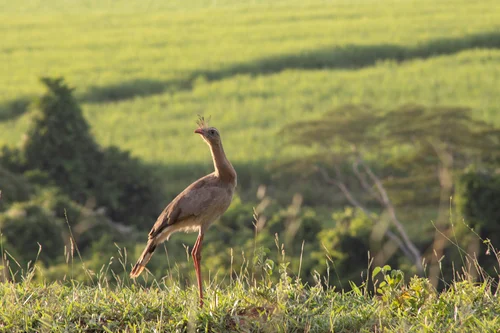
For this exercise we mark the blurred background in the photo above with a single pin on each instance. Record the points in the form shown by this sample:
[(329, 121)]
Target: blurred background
[(364, 133)]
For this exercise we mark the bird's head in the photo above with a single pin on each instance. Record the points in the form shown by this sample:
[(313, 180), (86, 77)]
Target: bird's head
[(209, 134)]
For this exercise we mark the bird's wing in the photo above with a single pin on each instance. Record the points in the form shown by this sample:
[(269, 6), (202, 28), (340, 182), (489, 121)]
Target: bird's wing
[(193, 201)]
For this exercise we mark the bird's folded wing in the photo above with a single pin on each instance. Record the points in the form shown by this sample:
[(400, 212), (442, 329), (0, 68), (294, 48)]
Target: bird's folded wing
[(192, 202)]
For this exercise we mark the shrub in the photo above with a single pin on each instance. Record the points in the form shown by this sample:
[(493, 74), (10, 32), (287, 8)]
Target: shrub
[(477, 199), (25, 225), (345, 246), (59, 141), (13, 187), (477, 193), (12, 159), (59, 149), (127, 188)]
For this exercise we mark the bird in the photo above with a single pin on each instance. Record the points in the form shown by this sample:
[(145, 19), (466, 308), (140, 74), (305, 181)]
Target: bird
[(197, 207)]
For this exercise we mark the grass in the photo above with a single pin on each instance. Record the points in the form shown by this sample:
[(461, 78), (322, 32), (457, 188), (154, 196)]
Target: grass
[(143, 72), (260, 295), (286, 305)]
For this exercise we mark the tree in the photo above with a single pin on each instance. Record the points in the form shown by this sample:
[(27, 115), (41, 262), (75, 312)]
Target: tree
[(59, 140), (444, 141), (385, 152), (59, 144)]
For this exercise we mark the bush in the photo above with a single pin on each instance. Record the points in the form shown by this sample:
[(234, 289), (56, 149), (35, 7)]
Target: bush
[(346, 245), (59, 141), (477, 198), (86, 225), (60, 150), (12, 159), (25, 225), (126, 188), (478, 195), (13, 187), (291, 229), (51, 218)]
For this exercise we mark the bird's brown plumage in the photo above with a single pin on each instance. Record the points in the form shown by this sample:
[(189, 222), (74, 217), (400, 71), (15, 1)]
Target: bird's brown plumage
[(198, 205)]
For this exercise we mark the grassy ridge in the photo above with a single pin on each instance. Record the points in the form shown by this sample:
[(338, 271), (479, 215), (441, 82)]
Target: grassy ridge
[(285, 306), (143, 75)]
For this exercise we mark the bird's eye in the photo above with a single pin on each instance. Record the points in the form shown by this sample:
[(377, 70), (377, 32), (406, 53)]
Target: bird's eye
[(212, 132)]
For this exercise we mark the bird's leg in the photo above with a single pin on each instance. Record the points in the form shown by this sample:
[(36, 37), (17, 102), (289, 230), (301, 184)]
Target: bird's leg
[(196, 254), (193, 254)]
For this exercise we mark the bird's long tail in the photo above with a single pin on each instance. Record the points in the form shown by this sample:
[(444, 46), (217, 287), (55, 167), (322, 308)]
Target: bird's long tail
[(143, 259)]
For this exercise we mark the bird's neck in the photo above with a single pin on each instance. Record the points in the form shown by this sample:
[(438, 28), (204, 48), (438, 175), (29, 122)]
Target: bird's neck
[(223, 168)]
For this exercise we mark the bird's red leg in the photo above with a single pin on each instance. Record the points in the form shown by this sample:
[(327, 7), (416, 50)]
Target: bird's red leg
[(193, 254), (196, 253)]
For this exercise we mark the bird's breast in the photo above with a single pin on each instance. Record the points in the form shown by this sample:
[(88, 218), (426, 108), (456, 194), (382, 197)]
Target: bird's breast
[(218, 205)]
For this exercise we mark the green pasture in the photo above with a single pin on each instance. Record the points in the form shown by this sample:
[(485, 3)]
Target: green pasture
[(143, 71)]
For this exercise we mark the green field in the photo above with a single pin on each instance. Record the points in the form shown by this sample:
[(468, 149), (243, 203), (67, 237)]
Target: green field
[(144, 71)]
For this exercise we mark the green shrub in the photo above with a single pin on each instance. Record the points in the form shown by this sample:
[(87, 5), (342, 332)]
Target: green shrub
[(12, 159), (478, 199), (60, 150), (26, 225), (86, 225), (478, 202), (345, 246), (127, 188), (13, 187), (291, 229), (59, 140), (51, 219)]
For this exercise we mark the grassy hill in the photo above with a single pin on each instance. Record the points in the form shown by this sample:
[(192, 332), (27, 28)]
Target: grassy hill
[(284, 306), (143, 71)]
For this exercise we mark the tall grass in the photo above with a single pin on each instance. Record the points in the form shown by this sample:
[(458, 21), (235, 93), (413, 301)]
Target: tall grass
[(243, 304), (260, 295)]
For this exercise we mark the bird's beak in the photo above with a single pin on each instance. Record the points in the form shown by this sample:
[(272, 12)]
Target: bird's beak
[(199, 131)]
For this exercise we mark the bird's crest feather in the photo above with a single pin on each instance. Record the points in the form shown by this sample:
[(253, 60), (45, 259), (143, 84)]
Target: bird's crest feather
[(202, 122)]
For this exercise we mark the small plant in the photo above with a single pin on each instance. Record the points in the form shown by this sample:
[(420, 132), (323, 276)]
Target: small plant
[(391, 284)]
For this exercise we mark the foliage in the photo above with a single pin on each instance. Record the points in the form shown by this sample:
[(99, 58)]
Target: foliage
[(412, 140), (12, 159), (52, 223), (36, 228), (60, 150), (292, 228), (14, 188), (419, 147), (59, 140), (82, 224), (477, 193), (127, 188), (346, 244)]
